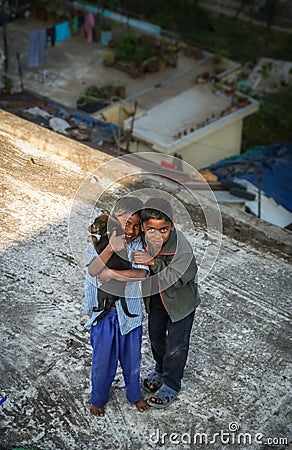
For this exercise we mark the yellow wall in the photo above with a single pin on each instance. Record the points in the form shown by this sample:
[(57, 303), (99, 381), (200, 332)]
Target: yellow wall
[(216, 146), (117, 113)]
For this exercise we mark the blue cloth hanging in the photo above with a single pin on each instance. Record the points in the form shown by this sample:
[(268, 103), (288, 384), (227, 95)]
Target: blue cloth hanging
[(62, 31), (36, 48)]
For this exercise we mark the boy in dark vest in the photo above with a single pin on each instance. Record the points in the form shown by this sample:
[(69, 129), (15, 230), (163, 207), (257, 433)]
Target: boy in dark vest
[(171, 296)]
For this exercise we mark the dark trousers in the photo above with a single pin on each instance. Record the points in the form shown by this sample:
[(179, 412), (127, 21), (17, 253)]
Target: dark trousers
[(169, 342)]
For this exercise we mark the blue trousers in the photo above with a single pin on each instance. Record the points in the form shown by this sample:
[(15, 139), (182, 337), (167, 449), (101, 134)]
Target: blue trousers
[(169, 342), (109, 347)]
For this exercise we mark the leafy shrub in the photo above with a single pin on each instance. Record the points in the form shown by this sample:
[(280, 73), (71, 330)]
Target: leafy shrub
[(134, 49), (109, 59), (8, 83), (96, 98)]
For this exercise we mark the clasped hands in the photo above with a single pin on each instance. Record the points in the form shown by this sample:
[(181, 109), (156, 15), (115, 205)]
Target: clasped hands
[(118, 243), (154, 241)]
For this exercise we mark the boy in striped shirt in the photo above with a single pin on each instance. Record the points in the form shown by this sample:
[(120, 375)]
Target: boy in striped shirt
[(117, 337)]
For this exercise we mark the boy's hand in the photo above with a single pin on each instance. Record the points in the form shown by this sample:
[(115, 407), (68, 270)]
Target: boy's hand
[(105, 276), (154, 240), (140, 257), (117, 243)]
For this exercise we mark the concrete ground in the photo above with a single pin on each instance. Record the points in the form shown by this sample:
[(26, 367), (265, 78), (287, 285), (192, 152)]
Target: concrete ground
[(236, 390)]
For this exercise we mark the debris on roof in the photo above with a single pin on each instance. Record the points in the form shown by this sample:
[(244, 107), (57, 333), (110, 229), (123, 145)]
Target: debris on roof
[(62, 119)]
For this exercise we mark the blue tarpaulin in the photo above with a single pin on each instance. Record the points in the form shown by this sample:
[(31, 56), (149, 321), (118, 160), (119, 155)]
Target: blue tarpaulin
[(81, 117), (267, 167), (100, 131)]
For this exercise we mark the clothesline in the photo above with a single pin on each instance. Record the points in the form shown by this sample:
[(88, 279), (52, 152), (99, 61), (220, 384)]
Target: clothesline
[(38, 39)]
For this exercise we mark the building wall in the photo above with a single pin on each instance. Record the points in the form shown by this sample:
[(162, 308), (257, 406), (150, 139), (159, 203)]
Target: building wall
[(218, 145), (115, 113)]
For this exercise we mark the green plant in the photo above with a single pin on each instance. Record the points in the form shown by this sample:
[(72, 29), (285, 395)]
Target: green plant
[(151, 64), (134, 49), (272, 123), (109, 59), (217, 58), (266, 69), (224, 53), (63, 8), (107, 25), (8, 83), (95, 98)]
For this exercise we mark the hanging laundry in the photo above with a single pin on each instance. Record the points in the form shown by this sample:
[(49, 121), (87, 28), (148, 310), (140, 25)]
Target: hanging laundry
[(81, 21), (51, 35), (36, 48), (89, 24), (75, 24), (62, 31)]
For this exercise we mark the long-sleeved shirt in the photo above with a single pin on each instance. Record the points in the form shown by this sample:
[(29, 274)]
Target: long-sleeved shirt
[(173, 275)]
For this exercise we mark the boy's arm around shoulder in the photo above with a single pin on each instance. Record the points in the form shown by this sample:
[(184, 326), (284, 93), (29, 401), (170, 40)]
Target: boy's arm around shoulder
[(138, 272), (126, 275)]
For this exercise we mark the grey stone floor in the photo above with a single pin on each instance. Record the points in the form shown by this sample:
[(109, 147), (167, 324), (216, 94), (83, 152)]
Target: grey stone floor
[(237, 389)]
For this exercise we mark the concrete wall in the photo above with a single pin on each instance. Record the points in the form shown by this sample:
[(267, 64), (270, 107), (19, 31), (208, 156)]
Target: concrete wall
[(46, 140), (146, 27), (117, 113)]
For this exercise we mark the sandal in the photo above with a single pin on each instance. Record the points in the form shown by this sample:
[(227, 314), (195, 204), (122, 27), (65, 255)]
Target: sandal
[(163, 397), (153, 382)]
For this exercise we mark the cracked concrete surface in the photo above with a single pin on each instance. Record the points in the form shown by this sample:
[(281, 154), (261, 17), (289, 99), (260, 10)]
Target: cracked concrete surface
[(239, 368)]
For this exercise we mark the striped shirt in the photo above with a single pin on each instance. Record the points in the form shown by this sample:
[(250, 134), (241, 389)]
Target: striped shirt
[(133, 294)]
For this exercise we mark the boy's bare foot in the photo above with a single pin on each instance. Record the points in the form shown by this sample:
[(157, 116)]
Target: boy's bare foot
[(97, 411), (141, 405)]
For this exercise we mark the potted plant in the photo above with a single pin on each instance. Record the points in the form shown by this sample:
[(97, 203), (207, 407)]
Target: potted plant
[(106, 33), (109, 59)]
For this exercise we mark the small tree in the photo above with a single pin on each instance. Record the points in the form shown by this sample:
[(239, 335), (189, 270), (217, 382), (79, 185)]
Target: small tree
[(133, 49), (8, 84), (271, 9)]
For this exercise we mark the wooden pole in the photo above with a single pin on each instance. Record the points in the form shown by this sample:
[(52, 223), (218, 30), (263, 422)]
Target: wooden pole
[(20, 71), (132, 126)]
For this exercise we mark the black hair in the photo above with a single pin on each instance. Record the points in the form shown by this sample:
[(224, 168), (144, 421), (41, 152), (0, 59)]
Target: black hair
[(128, 205), (158, 209)]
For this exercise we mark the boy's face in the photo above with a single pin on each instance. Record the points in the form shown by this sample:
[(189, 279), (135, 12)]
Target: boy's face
[(157, 231), (131, 225)]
